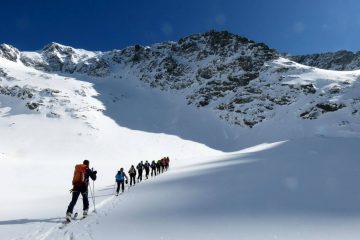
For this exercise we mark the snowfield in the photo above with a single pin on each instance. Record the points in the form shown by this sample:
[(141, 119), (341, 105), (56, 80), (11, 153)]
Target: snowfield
[(292, 176), (300, 189)]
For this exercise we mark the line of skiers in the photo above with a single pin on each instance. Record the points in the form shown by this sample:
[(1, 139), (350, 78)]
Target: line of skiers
[(83, 172), (156, 168)]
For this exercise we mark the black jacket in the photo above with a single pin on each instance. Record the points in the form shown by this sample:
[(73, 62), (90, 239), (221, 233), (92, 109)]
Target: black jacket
[(140, 167)]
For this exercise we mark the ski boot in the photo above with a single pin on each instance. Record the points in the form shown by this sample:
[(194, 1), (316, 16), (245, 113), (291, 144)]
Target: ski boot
[(68, 217)]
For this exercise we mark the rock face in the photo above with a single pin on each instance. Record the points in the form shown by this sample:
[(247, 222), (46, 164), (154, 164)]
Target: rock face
[(241, 81), (341, 60), (9, 52), (218, 63)]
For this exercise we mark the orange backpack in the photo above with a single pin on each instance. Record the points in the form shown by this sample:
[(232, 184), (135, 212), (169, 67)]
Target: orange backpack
[(79, 175)]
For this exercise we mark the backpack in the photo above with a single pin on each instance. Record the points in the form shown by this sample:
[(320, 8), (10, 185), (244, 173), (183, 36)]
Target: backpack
[(79, 175), (139, 167), (132, 171), (119, 176)]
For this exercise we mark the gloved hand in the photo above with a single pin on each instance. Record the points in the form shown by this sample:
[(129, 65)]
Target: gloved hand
[(126, 181)]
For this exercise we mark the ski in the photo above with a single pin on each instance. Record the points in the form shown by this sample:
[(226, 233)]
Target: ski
[(73, 219)]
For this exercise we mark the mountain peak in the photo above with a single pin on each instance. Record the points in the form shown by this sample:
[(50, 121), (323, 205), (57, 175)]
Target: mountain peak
[(220, 38), (56, 47)]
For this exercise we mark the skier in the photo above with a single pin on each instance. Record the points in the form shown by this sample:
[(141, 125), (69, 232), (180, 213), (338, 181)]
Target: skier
[(153, 168), (119, 178), (140, 168), (132, 173), (167, 162), (162, 163), (80, 186), (158, 166), (147, 169)]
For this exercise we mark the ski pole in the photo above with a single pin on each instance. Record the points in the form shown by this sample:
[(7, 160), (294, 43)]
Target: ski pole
[(93, 192), (92, 196)]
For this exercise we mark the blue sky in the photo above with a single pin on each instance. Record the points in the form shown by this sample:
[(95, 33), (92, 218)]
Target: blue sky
[(295, 27)]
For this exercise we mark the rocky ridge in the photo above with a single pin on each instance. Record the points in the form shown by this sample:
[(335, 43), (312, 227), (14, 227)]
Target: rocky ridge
[(340, 60)]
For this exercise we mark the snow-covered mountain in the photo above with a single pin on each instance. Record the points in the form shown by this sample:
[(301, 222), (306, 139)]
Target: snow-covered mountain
[(255, 140), (243, 82)]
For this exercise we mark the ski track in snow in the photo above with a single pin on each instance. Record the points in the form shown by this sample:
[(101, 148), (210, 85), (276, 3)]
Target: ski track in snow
[(77, 228), (82, 229)]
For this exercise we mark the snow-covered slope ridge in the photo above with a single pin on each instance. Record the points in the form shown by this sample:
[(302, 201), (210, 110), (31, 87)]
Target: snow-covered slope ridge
[(32, 91)]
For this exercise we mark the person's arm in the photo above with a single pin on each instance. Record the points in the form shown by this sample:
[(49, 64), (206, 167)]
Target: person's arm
[(92, 174)]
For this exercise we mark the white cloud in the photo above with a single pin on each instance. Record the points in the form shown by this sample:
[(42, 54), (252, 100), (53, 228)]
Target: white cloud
[(167, 29), (299, 27)]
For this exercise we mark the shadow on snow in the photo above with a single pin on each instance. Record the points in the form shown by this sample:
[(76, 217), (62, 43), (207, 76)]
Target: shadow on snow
[(26, 220), (303, 177)]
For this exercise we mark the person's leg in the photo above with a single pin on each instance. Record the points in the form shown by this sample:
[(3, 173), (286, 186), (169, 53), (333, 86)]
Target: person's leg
[(75, 196), (122, 186), (85, 200), (118, 187)]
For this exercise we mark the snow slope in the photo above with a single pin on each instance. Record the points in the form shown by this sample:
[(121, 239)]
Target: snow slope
[(299, 189), (287, 169), (293, 190)]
